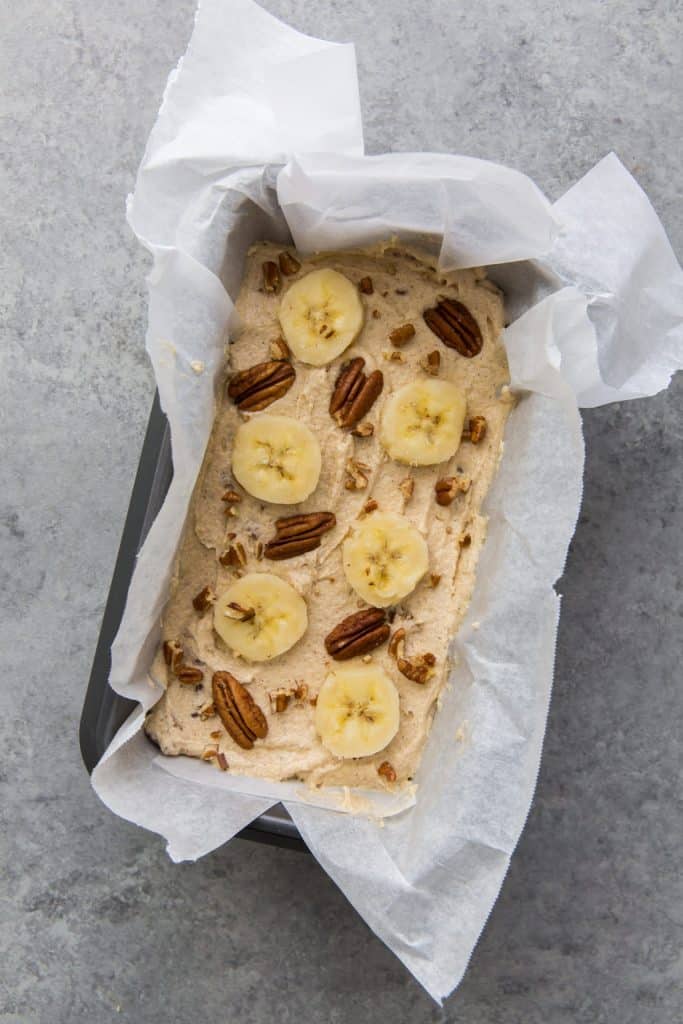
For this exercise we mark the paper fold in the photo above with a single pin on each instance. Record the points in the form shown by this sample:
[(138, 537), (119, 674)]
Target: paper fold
[(250, 145)]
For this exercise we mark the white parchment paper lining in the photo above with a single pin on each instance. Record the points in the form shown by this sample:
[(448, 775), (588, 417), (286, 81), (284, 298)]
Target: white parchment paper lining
[(259, 136)]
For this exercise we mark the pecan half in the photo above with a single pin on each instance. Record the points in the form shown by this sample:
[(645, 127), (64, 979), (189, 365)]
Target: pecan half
[(258, 387), (237, 710), (358, 634), (354, 394), (419, 668), (449, 486), (204, 599), (272, 282), (455, 326), (288, 264), (476, 431), (295, 535), (348, 383), (365, 286), (402, 335)]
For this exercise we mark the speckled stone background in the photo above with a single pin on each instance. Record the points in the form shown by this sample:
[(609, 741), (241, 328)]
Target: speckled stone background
[(96, 924)]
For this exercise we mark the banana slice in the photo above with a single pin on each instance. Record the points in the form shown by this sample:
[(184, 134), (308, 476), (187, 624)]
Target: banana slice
[(276, 459), (320, 315), (384, 558), (357, 712), (422, 422), (260, 616)]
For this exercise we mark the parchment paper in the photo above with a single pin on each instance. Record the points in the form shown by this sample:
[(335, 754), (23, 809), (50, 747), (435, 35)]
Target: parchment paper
[(253, 141)]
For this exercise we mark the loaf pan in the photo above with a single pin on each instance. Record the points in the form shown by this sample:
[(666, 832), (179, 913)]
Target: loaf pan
[(104, 710)]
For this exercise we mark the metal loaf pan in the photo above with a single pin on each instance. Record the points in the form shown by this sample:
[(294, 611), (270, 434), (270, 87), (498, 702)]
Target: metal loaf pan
[(103, 709)]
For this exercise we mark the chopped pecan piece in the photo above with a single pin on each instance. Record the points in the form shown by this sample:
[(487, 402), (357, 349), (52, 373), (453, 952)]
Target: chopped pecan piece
[(234, 557), (365, 286), (288, 264), (173, 654), (189, 675), (259, 386), (231, 497), (207, 711), (204, 599), (434, 579), (222, 761), (279, 349), (272, 282), (432, 363), (365, 429), (401, 335), (297, 534), (237, 710), (455, 326), (449, 486), (476, 430), (387, 772), (465, 540), (419, 668), (279, 700), (235, 611), (371, 505), (354, 394), (358, 634), (394, 357), (376, 315), (348, 383), (406, 487), (356, 479)]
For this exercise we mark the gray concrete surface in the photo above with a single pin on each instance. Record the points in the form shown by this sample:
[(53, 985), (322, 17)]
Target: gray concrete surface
[(95, 924)]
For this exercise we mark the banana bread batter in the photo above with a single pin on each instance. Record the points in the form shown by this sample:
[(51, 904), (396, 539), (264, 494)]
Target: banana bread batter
[(359, 429)]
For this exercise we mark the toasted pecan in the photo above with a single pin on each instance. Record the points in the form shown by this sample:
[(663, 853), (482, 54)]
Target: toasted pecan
[(237, 710), (354, 393), (476, 430), (402, 335), (448, 487), (272, 282), (358, 634), (297, 534), (288, 264), (204, 599), (259, 386), (455, 326), (190, 675)]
